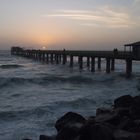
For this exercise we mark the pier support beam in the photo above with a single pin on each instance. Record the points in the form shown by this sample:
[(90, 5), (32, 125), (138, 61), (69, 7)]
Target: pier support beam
[(64, 59), (52, 58), (80, 62), (99, 63), (92, 64), (128, 68), (57, 59), (39, 56), (107, 65), (88, 61), (71, 61), (112, 64), (36, 55), (47, 58), (43, 56)]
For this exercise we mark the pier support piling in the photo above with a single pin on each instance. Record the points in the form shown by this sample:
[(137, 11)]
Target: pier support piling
[(107, 65), (92, 64), (64, 59), (99, 63), (80, 62), (47, 57), (71, 61), (57, 59), (128, 68), (52, 58), (88, 61), (112, 64), (43, 56)]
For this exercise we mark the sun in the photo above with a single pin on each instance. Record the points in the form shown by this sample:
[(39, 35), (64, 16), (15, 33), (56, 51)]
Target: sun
[(44, 47)]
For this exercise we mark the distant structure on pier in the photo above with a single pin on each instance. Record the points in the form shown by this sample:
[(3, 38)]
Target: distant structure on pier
[(133, 48)]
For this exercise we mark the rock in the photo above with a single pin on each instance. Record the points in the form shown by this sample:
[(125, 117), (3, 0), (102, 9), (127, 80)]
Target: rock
[(124, 101), (69, 118), (124, 135), (96, 132), (135, 112), (137, 122), (122, 111), (126, 123), (69, 132), (113, 118), (44, 137), (102, 111), (91, 118), (135, 108), (134, 129), (26, 139), (137, 99)]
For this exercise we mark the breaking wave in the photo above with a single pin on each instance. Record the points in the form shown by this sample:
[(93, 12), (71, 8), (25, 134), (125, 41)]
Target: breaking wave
[(40, 111), (11, 81)]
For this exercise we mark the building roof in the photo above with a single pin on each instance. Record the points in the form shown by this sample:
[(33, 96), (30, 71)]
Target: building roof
[(133, 44)]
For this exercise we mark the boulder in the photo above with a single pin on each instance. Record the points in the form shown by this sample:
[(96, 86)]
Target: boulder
[(69, 118), (134, 129), (126, 123), (135, 108), (102, 111), (44, 137), (124, 101), (96, 132), (124, 135), (121, 111), (27, 139), (69, 132), (113, 118)]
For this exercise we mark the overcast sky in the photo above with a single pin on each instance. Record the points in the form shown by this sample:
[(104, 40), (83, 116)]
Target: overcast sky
[(73, 24)]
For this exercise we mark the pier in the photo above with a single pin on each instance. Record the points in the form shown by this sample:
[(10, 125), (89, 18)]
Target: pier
[(61, 57)]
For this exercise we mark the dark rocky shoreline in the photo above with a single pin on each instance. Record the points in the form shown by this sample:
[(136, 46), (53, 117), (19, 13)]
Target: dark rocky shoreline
[(119, 122)]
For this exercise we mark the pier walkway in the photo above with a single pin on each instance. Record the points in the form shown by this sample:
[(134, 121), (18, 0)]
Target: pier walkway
[(61, 56)]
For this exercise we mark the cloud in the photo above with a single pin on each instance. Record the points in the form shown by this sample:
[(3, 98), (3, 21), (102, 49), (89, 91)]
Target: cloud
[(103, 16)]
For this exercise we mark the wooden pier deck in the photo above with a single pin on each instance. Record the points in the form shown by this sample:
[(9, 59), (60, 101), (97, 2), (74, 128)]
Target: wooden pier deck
[(60, 56)]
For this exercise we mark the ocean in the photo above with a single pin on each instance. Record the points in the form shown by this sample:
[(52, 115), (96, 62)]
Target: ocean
[(33, 94)]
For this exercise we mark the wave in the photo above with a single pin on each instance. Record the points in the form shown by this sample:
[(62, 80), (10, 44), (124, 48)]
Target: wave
[(11, 81), (20, 114), (77, 103), (49, 109), (9, 66)]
